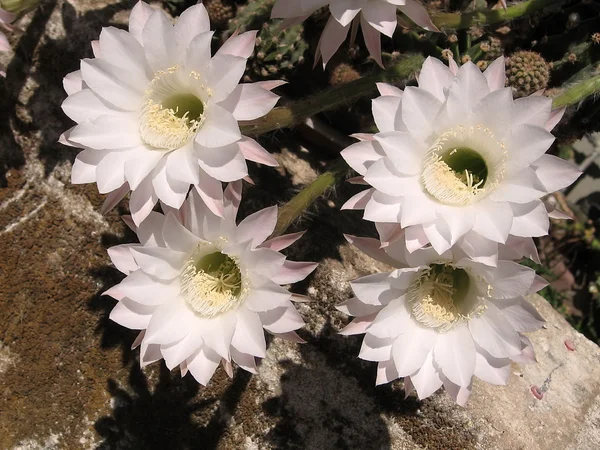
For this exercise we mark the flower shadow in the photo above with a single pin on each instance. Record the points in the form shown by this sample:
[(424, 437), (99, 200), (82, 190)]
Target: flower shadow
[(112, 334), (40, 63), (158, 418)]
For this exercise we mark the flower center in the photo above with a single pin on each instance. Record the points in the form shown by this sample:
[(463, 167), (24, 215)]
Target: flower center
[(439, 298), (456, 174), (212, 284), (172, 114)]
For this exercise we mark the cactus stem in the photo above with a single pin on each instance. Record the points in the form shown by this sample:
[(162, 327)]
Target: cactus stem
[(295, 113)]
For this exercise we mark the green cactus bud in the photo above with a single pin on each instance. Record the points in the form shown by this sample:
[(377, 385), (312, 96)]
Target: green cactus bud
[(277, 50), (220, 12), (251, 16), (343, 73), (527, 72)]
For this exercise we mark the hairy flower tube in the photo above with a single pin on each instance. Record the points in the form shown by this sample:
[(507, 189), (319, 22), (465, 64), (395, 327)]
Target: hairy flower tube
[(458, 161), (157, 113), (203, 290), (442, 319), (374, 16)]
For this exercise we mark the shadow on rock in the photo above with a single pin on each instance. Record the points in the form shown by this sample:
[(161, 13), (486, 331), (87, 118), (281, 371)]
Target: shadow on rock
[(106, 276), (161, 418), (322, 407), (36, 73)]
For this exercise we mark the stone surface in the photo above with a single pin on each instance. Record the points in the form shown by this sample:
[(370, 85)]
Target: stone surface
[(68, 379)]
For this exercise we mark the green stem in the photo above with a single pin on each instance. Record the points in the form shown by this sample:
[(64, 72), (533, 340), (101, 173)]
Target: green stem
[(578, 92), (295, 113), (467, 20), (307, 196)]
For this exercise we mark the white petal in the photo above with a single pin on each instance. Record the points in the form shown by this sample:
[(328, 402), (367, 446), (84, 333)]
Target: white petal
[(161, 263), (136, 318), (241, 45), (122, 258), (175, 354), (381, 16), (495, 334), (555, 173), (331, 39), (253, 151), (85, 105), (509, 280), (110, 174), (202, 366), (193, 21), (84, 166), (354, 307), (224, 73), (225, 163), (244, 360), (454, 353), (374, 289), (267, 296), (391, 321), (122, 50), (169, 191), (375, 349), (491, 370), (458, 393), (182, 165), (532, 110), (361, 155), (530, 219), (419, 109), (389, 90), (106, 81), (249, 336), (177, 237), (402, 151), (258, 226), (142, 289), (495, 74), (281, 320), (198, 53), (412, 347), (372, 247), (159, 41), (211, 193), (386, 372), (294, 271), (108, 132), (417, 210), (170, 323), (522, 316), (526, 144), (387, 113), (140, 14), (139, 164), (493, 221), (418, 14), (150, 230), (217, 333), (343, 12), (435, 78), (249, 102), (219, 128), (383, 208), (73, 82), (522, 187), (427, 380)]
